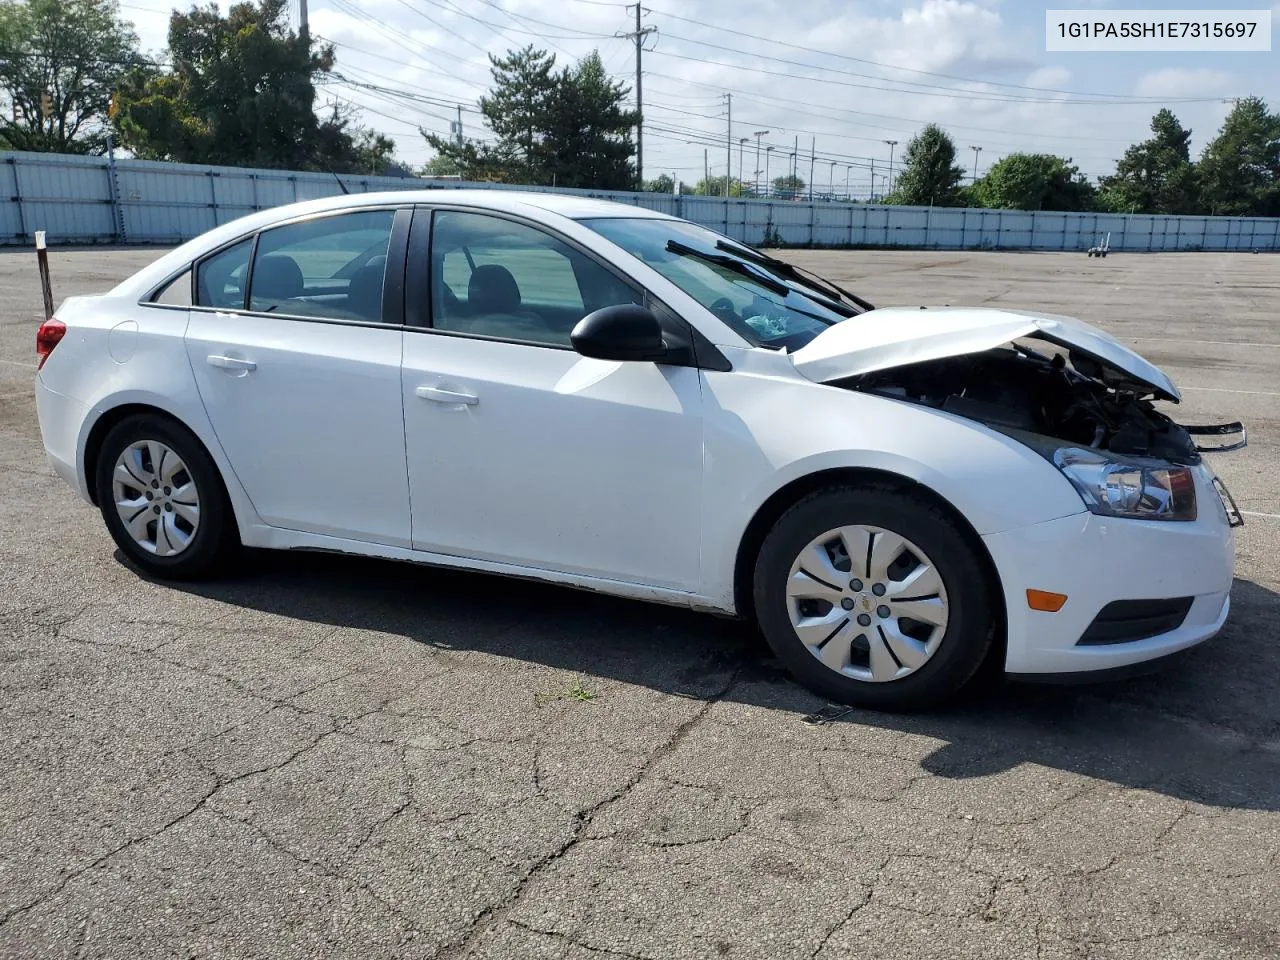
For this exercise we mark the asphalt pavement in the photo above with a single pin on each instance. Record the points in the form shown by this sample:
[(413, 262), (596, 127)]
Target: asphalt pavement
[(328, 757)]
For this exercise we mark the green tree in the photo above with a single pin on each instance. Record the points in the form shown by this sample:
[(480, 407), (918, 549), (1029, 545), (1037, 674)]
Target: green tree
[(788, 187), (439, 166), (242, 92), (930, 175), (344, 146), (588, 135), (1240, 168), (663, 183), (715, 187), (566, 127), (1034, 181), (75, 51), (1156, 175), (518, 110)]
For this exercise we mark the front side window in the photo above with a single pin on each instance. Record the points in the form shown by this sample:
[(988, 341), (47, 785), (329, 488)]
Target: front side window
[(328, 268), (764, 307), (220, 279), (493, 277)]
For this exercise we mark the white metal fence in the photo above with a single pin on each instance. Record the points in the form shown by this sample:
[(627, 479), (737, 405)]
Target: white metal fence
[(93, 200)]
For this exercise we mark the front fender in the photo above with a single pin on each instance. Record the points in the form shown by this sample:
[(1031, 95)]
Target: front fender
[(765, 432)]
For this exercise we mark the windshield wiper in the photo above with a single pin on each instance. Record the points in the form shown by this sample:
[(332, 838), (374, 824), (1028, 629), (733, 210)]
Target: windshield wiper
[(730, 263), (792, 272)]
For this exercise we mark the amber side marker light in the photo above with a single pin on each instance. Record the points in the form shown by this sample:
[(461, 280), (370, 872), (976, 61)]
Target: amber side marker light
[(1045, 601)]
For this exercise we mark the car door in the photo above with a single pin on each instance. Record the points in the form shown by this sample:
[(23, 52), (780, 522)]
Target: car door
[(296, 353), (519, 449)]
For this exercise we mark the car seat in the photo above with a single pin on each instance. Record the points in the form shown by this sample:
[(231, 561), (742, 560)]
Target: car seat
[(276, 277)]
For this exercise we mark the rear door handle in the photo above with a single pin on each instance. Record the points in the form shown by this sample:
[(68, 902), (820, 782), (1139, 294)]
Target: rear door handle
[(230, 363), (447, 396)]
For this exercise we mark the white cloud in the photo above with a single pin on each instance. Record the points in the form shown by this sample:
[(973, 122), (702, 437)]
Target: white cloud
[(851, 95), (1183, 82)]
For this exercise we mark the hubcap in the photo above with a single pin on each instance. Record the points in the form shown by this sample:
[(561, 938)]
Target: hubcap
[(868, 603), (156, 498)]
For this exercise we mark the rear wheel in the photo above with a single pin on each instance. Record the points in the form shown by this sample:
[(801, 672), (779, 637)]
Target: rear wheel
[(163, 500), (874, 597)]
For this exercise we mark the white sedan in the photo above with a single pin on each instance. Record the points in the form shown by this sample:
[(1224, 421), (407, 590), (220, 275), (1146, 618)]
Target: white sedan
[(596, 395)]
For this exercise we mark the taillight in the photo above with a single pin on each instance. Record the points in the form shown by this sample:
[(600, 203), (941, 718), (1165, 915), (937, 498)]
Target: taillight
[(49, 336)]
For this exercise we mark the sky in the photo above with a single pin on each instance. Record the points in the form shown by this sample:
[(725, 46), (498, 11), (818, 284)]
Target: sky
[(840, 77)]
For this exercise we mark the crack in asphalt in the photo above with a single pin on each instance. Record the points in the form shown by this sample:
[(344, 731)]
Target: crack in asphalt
[(843, 921), (219, 784), (496, 913), (556, 934)]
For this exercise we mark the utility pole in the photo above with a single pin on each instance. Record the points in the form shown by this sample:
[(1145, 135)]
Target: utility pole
[(303, 24), (758, 134), (813, 158), (768, 185), (889, 182), (706, 167), (873, 179), (976, 151), (728, 152), (831, 180), (742, 142), (847, 170), (639, 35), (459, 117)]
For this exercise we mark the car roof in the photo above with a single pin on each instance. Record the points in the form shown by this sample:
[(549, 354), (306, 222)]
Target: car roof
[(569, 206)]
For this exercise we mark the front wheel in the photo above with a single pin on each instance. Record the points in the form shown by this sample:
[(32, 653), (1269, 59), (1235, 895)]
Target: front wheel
[(874, 597), (163, 500)]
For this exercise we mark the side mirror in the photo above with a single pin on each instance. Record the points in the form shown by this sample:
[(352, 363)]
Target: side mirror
[(625, 331)]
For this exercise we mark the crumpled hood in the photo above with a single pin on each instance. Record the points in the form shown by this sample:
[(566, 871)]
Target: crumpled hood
[(900, 336)]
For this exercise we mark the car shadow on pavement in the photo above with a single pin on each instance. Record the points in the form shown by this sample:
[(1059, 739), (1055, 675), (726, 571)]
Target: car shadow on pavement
[(1206, 728)]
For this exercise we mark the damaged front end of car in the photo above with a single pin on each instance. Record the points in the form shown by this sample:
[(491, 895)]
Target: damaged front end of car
[(1078, 397)]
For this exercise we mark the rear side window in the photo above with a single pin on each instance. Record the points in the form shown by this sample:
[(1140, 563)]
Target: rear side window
[(330, 268), (220, 279), (176, 293)]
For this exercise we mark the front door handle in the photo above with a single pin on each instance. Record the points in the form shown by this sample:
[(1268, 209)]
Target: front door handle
[(230, 363), (447, 396)]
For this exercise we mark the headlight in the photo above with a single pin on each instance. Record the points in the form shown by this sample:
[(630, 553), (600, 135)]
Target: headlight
[(1116, 486)]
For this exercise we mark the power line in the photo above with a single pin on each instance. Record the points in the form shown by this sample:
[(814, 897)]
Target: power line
[(941, 92), (775, 42)]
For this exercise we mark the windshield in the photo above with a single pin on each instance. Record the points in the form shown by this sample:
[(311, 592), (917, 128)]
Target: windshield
[(763, 304)]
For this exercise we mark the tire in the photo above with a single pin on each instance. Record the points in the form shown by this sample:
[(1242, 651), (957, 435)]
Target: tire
[(928, 662), (169, 539)]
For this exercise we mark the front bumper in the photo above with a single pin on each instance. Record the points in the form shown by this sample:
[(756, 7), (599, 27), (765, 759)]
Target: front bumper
[(1096, 560)]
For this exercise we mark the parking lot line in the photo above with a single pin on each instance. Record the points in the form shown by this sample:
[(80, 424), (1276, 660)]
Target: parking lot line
[(1223, 343), (1256, 393)]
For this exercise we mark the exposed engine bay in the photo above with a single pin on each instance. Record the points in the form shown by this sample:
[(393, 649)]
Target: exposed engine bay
[(1082, 401)]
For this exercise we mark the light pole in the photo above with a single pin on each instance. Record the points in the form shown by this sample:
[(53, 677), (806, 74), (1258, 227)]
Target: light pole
[(976, 151), (768, 185), (758, 134), (706, 168), (888, 184), (741, 143)]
